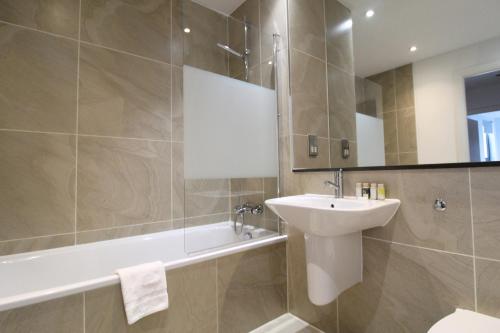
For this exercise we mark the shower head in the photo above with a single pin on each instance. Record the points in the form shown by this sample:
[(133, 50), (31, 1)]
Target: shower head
[(230, 50)]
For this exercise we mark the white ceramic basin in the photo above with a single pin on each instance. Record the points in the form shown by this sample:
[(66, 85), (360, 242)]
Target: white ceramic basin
[(327, 216), (332, 232)]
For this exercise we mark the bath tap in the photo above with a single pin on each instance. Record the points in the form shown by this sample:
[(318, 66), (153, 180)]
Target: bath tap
[(242, 210)]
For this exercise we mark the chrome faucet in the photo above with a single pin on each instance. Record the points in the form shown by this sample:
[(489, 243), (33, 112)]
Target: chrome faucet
[(337, 184), (242, 210)]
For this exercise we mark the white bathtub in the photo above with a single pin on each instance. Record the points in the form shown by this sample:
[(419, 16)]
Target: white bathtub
[(43, 275)]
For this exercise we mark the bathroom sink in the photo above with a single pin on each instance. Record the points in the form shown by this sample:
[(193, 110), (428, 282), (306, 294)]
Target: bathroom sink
[(332, 233), (326, 216)]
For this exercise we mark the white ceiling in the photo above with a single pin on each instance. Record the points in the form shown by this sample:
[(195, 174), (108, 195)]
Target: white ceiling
[(435, 26), (225, 7)]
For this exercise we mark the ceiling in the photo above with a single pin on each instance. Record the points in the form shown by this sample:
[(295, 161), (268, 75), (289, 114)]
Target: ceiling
[(435, 26), (225, 7)]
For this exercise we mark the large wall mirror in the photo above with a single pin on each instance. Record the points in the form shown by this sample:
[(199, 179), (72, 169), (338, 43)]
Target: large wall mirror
[(407, 83)]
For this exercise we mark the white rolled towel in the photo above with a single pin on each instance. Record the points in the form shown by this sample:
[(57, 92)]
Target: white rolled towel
[(144, 290)]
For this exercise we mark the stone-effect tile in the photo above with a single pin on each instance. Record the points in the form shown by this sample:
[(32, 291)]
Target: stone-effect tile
[(197, 221), (408, 158), (206, 196), (488, 293), (386, 81), (405, 289), (309, 101), (392, 159), (35, 244), (337, 161), (177, 105), (485, 186), (177, 180), (416, 222), (56, 16), (339, 39), (192, 298), (57, 316), (252, 288), (342, 104), (307, 26), (301, 158), (200, 46), (38, 81), (119, 232), (136, 27), (322, 317), (123, 95), (390, 133), (407, 131), (248, 190), (404, 87), (37, 177), (122, 182), (272, 20)]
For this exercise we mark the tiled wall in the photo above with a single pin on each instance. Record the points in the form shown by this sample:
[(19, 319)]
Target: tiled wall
[(232, 294), (398, 105), (424, 263), (321, 82), (91, 127)]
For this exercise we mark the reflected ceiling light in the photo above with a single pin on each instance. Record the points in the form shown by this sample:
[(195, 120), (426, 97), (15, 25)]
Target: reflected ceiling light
[(187, 30), (270, 62), (369, 13), (413, 49)]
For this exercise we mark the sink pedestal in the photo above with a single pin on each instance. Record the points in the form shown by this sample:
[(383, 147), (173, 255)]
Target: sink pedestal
[(333, 265)]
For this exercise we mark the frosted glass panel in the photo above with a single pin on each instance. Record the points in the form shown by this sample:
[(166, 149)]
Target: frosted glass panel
[(370, 140), (229, 127)]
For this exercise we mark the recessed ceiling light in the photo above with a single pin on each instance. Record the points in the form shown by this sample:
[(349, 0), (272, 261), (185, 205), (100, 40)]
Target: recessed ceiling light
[(413, 49), (369, 13), (187, 30), (270, 62)]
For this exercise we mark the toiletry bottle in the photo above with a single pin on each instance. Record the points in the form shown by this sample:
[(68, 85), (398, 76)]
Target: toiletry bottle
[(358, 191), (373, 191), (365, 192), (380, 192)]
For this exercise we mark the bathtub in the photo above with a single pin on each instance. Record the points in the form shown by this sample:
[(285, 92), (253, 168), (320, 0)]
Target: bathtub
[(39, 276)]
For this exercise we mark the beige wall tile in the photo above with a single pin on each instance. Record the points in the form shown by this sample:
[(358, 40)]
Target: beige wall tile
[(338, 41), (407, 131), (323, 317), (197, 221), (387, 81), (301, 153), (251, 288), (35, 244), (119, 232), (122, 182), (408, 158), (200, 46), (404, 87), (392, 159), (309, 100), (341, 104), (273, 14), (405, 289), (391, 133), (416, 222), (38, 81), (37, 178), (135, 27), (485, 186), (488, 293), (123, 95), (307, 26), (56, 16), (248, 190), (177, 104), (206, 196), (178, 180), (57, 316), (192, 298)]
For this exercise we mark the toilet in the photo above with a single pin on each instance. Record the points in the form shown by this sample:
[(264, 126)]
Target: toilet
[(465, 321)]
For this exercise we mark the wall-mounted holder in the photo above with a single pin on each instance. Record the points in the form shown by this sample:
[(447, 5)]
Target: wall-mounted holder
[(344, 143), (440, 205), (313, 145)]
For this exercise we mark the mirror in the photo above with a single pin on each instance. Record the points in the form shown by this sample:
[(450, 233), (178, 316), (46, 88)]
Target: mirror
[(407, 83)]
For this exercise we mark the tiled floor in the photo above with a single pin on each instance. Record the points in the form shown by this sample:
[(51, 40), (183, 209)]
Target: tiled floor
[(286, 323)]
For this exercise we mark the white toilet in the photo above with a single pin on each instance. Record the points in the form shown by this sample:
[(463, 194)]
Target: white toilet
[(465, 321)]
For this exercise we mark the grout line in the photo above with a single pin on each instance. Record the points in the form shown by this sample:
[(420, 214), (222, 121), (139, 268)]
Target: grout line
[(125, 226), (41, 31), (393, 72), (34, 132), (307, 54), (419, 247), (35, 237), (260, 46), (171, 116), (77, 116), (319, 137), (122, 137), (473, 241), (330, 134), (487, 259)]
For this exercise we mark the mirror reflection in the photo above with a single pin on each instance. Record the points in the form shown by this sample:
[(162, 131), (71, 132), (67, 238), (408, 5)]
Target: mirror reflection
[(424, 86)]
